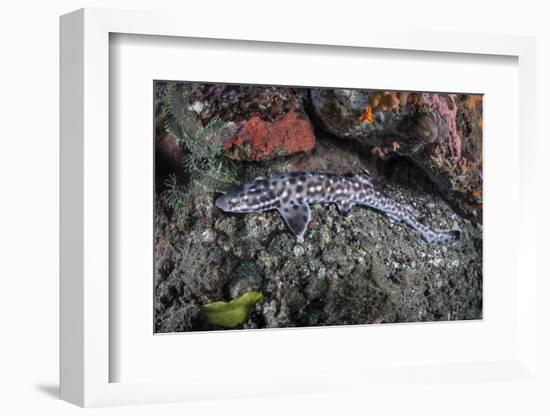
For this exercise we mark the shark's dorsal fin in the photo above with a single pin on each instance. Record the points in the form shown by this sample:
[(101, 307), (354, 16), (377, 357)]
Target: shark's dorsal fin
[(365, 177), (410, 208)]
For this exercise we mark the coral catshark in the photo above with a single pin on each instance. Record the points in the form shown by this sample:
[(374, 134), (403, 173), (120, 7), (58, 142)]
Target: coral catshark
[(292, 194)]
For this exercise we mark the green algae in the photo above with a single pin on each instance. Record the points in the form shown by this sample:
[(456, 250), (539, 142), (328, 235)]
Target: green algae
[(234, 313)]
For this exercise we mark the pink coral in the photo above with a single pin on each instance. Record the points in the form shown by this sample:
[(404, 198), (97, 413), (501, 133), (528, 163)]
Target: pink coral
[(446, 106)]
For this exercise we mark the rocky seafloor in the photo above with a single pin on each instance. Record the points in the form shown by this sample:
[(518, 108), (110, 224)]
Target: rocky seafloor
[(357, 269)]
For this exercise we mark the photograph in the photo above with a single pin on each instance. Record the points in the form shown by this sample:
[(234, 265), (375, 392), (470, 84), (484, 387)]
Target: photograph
[(292, 206), (288, 208)]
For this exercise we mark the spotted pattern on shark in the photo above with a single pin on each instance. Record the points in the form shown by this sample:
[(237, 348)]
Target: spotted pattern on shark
[(293, 193)]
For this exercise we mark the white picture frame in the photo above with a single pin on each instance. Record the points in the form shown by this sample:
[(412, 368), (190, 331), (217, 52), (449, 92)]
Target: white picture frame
[(85, 266)]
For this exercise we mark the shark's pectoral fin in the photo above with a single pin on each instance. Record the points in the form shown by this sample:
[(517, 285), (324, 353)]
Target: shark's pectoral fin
[(345, 207), (297, 217), (392, 217)]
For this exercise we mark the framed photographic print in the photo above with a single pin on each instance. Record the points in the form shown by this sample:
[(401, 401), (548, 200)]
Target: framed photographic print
[(277, 213)]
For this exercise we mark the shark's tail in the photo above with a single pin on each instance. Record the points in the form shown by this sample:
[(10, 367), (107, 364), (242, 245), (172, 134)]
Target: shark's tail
[(432, 236)]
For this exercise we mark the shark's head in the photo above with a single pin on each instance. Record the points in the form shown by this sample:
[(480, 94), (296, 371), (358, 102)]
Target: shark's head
[(242, 199), (230, 202)]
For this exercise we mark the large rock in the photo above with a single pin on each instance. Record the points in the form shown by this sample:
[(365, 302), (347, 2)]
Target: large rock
[(441, 133)]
